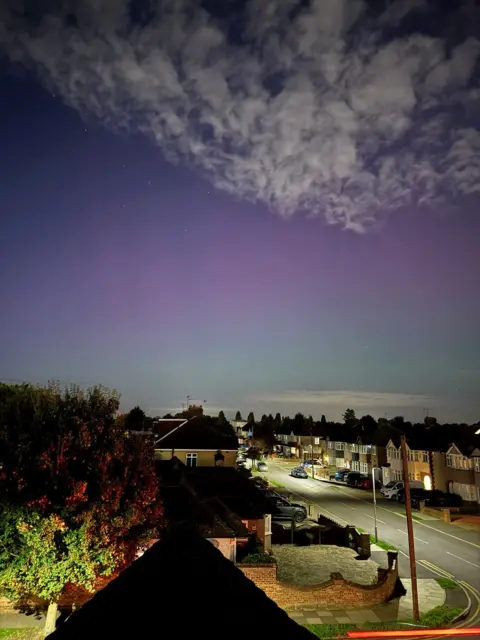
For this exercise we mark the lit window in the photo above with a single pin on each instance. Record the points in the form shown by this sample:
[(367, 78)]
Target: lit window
[(425, 456), (449, 460), (477, 464), (191, 459)]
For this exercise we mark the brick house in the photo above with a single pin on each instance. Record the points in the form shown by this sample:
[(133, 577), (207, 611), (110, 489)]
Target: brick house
[(457, 470), (418, 462), (195, 443)]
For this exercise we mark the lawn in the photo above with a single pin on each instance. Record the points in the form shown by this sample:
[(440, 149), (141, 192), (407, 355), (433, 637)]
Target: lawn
[(276, 484), (437, 618), (447, 583), (386, 546), (21, 634)]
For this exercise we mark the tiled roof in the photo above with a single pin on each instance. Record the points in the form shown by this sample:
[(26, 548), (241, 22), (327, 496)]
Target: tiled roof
[(185, 588), (197, 434), (162, 427)]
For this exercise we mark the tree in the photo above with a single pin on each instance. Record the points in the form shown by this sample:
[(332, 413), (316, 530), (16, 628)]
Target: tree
[(78, 494), (238, 416), (323, 420), (135, 419), (221, 418), (349, 416), (278, 419), (251, 418)]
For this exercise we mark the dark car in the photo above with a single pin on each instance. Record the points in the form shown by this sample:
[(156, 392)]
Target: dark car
[(354, 477), (442, 499), (299, 472), (341, 473), (416, 496), (287, 510)]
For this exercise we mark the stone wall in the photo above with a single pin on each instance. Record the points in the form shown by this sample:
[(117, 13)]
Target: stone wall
[(336, 592)]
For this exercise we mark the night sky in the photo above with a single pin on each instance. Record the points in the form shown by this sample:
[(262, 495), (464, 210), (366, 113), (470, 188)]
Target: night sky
[(271, 208)]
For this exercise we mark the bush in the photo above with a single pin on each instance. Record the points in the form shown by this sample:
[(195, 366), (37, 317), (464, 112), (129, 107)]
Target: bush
[(259, 558)]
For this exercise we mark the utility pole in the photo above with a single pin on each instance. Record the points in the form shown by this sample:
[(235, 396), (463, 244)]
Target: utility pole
[(411, 538), (313, 457), (188, 402)]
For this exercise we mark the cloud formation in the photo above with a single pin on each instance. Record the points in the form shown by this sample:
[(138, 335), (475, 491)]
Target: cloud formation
[(354, 399), (326, 109)]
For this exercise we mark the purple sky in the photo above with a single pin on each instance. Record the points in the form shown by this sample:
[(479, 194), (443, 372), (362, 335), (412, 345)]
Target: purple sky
[(121, 268)]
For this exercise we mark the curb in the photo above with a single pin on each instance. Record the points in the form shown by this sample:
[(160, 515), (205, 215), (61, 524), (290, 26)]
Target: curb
[(461, 616)]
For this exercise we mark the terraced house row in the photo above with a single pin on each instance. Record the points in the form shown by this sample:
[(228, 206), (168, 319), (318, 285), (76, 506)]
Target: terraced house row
[(443, 458)]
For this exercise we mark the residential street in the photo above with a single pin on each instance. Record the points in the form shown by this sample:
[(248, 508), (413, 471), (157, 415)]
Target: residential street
[(441, 549)]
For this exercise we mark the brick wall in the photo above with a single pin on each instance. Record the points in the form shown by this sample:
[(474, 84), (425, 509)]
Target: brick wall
[(336, 592)]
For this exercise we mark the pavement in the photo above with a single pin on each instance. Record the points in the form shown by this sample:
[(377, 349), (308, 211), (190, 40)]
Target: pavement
[(441, 549), (430, 594)]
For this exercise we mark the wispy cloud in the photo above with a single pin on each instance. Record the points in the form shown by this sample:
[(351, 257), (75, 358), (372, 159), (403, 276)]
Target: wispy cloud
[(316, 109), (353, 399)]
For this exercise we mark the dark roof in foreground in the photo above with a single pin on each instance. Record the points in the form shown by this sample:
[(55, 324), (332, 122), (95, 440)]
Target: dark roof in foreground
[(183, 588), (197, 434)]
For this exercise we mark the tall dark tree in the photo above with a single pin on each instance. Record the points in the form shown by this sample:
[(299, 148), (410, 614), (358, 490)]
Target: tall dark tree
[(238, 416), (221, 417), (264, 418), (349, 416), (323, 420), (251, 418), (135, 419), (278, 418)]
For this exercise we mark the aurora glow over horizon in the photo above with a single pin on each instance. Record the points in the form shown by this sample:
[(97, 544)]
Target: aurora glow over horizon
[(234, 275)]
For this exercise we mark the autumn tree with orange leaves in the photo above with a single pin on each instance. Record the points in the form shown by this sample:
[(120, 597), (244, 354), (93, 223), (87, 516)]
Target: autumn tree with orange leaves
[(78, 494)]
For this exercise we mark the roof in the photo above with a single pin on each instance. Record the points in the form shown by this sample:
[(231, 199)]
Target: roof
[(197, 434), (184, 587), (210, 515), (164, 426), (234, 490)]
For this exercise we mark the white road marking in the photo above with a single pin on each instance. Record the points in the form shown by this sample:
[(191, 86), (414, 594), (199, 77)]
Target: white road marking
[(420, 524), (372, 518), (463, 559), (406, 533), (347, 505)]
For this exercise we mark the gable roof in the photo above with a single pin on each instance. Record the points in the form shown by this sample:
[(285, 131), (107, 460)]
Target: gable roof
[(184, 587), (197, 434), (164, 426)]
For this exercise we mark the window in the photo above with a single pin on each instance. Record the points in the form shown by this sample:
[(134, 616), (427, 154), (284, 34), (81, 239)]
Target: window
[(397, 475), (449, 460), (317, 440), (467, 491), (340, 446), (425, 456), (364, 467), (330, 445), (477, 464), (355, 465), (191, 459), (340, 462), (354, 448), (374, 450), (268, 525)]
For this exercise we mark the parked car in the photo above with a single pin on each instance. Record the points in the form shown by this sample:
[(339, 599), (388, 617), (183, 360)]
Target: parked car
[(308, 464), (259, 482), (392, 492), (354, 477), (367, 483), (438, 498), (262, 466), (298, 472), (416, 495), (387, 486), (287, 510), (341, 473)]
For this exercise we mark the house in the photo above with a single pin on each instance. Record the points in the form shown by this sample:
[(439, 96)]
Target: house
[(457, 470), (216, 495), (196, 443), (418, 461), (183, 587)]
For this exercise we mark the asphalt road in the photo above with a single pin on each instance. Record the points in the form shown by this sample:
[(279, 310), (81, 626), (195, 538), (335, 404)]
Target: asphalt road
[(441, 549)]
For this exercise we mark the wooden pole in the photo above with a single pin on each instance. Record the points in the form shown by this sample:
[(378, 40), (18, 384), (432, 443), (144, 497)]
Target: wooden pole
[(411, 537)]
